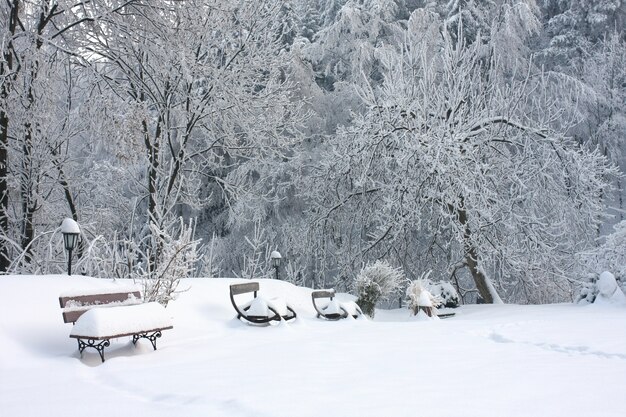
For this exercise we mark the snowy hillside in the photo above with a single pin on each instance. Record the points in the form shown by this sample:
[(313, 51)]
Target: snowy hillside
[(507, 360)]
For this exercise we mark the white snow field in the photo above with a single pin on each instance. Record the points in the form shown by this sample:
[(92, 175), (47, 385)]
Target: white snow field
[(504, 360)]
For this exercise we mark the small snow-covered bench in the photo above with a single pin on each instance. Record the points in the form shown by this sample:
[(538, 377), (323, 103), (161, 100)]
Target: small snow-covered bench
[(334, 310), (102, 316), (260, 310)]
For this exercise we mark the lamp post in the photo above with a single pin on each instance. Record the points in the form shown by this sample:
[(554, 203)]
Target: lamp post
[(70, 231), (276, 258)]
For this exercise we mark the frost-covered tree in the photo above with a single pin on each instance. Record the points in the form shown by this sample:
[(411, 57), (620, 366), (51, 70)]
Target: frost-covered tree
[(449, 153), (203, 95), (308, 18), (344, 50), (603, 107), (37, 83), (573, 26)]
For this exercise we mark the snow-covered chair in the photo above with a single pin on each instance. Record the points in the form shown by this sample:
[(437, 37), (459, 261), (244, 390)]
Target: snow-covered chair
[(99, 317), (334, 310), (260, 310)]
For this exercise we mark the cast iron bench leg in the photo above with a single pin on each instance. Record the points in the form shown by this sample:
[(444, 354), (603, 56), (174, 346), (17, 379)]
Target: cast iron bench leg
[(151, 337), (92, 343)]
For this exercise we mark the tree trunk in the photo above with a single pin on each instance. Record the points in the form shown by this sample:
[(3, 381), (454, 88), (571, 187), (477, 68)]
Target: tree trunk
[(6, 70), (26, 190), (153, 167), (479, 278), (4, 189), (483, 284)]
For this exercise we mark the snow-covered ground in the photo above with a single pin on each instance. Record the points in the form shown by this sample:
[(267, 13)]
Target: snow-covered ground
[(504, 361)]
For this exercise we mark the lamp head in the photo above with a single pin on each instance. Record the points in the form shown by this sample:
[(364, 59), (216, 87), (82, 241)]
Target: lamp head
[(276, 258)]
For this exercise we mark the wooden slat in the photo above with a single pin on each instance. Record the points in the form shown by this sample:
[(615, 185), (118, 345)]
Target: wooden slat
[(236, 289), (76, 305), (98, 299), (72, 316), (323, 294)]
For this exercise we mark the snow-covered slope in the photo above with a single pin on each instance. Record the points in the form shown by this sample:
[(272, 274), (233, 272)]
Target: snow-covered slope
[(555, 360)]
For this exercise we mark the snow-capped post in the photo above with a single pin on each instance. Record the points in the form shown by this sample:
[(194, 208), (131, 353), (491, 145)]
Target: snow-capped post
[(276, 258), (70, 231)]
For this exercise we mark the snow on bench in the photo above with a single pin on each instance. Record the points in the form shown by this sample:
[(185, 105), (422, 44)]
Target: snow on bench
[(260, 310), (100, 317), (334, 310)]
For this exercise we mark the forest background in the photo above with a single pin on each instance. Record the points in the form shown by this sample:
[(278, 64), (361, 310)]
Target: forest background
[(481, 142)]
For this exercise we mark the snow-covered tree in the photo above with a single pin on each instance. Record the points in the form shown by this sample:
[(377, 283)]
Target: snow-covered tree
[(204, 97), (449, 152), (573, 26), (37, 112)]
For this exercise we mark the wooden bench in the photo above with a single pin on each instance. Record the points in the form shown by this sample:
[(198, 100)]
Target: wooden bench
[(334, 310), (273, 313), (97, 318)]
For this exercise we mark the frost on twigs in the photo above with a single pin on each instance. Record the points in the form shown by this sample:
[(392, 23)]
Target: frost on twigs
[(376, 282), (172, 256)]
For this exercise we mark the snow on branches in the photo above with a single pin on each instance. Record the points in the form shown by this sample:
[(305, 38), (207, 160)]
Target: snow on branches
[(171, 256), (451, 152)]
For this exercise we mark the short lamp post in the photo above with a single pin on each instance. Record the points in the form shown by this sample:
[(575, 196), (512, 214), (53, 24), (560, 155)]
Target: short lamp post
[(276, 258), (70, 231)]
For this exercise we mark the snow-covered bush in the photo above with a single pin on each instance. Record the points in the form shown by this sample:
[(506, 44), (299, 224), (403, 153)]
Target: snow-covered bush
[(173, 256), (376, 282), (601, 288), (611, 255), (608, 290), (446, 293), (588, 289), (419, 296)]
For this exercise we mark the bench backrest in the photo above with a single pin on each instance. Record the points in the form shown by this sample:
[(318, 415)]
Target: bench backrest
[(237, 289), (75, 305), (323, 294)]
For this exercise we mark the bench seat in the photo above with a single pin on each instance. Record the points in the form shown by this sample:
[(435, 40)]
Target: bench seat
[(110, 322)]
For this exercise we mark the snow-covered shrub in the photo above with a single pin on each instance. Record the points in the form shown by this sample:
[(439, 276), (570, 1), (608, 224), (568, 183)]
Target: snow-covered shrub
[(419, 296), (602, 288), (376, 282), (608, 290), (588, 289), (446, 293), (611, 255), (606, 284), (173, 256)]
